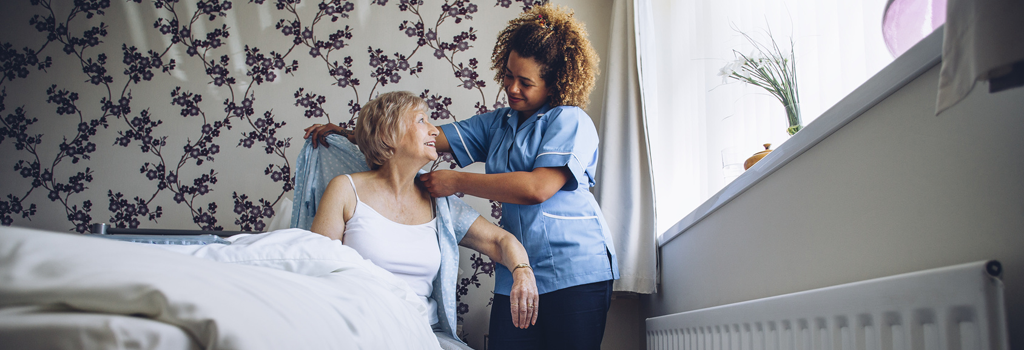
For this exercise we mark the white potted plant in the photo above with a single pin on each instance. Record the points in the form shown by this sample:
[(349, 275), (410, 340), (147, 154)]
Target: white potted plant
[(768, 68)]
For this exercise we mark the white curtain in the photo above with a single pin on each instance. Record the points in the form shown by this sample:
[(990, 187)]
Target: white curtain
[(625, 190), (701, 129)]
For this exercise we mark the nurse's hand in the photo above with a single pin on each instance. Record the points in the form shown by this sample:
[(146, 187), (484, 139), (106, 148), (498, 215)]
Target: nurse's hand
[(441, 183), (319, 133), (524, 298)]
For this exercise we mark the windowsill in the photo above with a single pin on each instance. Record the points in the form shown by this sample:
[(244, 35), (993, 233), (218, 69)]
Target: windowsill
[(918, 59)]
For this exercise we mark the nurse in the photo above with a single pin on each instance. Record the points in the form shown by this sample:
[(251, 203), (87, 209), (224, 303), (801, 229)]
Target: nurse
[(540, 155)]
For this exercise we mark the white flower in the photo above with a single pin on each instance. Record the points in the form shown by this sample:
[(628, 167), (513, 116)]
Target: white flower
[(768, 68), (730, 69)]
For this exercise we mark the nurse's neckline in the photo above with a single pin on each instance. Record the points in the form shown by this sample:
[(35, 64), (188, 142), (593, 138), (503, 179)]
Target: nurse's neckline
[(519, 115), (522, 120)]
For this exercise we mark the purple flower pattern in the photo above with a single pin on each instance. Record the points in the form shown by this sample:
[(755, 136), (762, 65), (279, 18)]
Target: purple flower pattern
[(172, 170)]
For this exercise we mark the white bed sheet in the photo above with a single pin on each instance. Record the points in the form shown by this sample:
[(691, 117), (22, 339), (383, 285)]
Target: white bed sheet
[(333, 299), (36, 328)]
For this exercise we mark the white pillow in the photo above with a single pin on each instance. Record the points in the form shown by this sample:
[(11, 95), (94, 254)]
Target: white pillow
[(294, 250), (299, 251)]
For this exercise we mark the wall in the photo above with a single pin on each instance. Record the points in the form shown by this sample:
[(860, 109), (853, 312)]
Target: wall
[(112, 114), (896, 190)]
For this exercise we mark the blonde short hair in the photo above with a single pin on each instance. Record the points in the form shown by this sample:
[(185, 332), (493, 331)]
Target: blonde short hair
[(380, 127)]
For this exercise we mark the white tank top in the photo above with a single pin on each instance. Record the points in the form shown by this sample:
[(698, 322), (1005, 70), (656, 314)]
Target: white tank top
[(410, 252)]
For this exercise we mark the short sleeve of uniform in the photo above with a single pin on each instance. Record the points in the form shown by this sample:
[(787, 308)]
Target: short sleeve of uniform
[(569, 141), (469, 139), (463, 216)]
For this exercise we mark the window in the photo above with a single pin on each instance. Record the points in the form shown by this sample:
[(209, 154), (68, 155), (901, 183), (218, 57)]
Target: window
[(699, 127)]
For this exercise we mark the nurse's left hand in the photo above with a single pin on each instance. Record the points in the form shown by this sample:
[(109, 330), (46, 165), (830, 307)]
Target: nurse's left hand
[(440, 183)]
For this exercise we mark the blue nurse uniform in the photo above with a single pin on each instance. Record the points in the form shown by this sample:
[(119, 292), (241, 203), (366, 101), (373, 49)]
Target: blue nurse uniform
[(566, 236)]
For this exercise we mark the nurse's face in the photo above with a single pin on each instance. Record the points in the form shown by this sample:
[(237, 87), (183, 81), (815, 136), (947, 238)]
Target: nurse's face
[(419, 136), (526, 91)]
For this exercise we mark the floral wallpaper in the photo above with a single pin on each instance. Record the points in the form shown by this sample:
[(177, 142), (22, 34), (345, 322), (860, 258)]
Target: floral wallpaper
[(189, 114)]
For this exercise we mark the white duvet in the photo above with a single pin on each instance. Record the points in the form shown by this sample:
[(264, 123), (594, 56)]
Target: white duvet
[(287, 289)]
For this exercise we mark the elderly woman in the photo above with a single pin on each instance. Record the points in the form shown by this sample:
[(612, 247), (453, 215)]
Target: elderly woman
[(389, 218)]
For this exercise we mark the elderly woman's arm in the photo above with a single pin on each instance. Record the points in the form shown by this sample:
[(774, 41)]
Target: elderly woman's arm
[(332, 209), (502, 247)]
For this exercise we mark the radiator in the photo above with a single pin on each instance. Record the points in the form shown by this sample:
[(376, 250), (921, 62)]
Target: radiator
[(951, 308)]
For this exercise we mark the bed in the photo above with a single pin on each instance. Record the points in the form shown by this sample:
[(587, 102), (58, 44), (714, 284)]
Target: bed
[(186, 289), (286, 289)]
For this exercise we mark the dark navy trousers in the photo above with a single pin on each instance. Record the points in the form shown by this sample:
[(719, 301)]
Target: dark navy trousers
[(570, 318)]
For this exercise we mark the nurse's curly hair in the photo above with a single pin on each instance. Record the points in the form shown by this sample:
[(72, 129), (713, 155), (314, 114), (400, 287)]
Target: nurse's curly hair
[(556, 40)]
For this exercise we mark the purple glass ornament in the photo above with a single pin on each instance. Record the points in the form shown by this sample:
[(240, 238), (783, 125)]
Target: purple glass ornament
[(908, 21)]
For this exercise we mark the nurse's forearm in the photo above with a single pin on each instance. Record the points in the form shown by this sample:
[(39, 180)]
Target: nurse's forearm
[(520, 187)]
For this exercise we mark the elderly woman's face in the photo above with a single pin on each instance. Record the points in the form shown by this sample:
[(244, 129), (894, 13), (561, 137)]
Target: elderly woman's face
[(419, 136)]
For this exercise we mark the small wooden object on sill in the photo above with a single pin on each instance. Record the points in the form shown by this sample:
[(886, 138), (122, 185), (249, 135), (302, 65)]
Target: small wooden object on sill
[(756, 157)]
